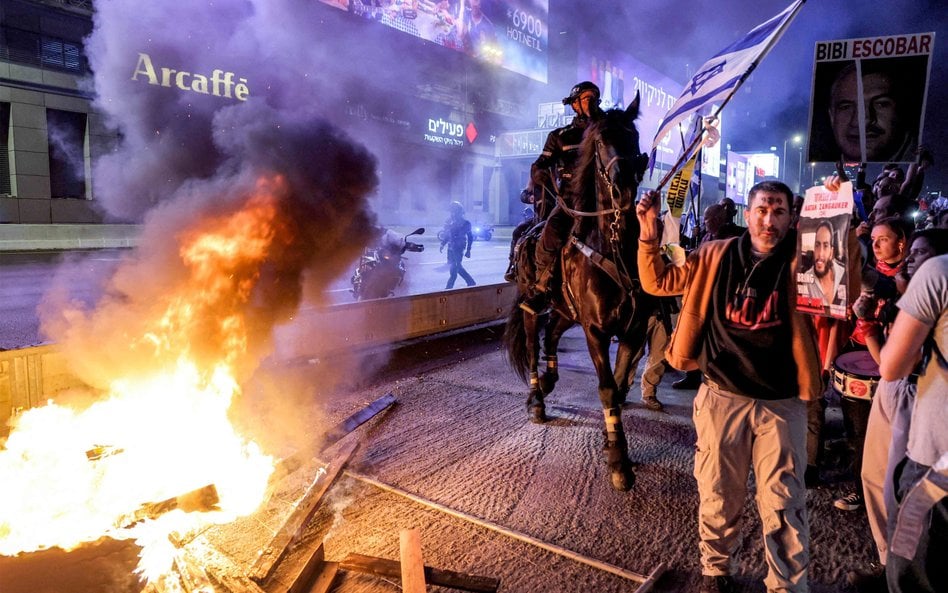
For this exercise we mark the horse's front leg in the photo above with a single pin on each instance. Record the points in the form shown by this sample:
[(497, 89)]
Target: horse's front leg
[(555, 328), (536, 409), (616, 447), (624, 371)]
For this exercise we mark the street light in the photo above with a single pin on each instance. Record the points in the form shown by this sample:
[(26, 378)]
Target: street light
[(797, 139)]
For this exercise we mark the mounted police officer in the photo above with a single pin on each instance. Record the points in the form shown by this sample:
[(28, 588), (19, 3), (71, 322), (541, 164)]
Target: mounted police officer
[(553, 172)]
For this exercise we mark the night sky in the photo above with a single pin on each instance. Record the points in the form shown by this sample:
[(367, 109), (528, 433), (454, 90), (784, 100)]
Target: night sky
[(677, 37)]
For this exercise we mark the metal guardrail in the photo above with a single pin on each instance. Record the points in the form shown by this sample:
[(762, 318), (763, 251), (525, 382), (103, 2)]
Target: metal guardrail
[(31, 376)]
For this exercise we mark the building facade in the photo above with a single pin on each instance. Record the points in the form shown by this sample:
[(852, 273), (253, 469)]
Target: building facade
[(49, 133)]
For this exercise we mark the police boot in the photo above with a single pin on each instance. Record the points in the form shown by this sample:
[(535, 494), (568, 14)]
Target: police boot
[(511, 274), (545, 260), (538, 298)]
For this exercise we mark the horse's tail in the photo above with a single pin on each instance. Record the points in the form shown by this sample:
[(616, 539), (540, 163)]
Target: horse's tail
[(515, 339)]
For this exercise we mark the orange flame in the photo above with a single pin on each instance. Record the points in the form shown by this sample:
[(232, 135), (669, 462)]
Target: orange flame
[(73, 476)]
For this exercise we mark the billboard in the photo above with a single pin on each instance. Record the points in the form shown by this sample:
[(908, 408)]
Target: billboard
[(890, 74), (511, 34), (618, 76), (740, 177)]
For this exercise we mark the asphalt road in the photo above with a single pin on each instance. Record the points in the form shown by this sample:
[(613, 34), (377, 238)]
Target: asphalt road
[(25, 277)]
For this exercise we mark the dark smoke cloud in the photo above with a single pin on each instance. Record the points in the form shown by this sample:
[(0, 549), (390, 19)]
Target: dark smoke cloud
[(321, 224), (186, 158), (170, 136)]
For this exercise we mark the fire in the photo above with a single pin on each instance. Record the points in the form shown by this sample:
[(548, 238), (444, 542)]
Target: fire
[(157, 453)]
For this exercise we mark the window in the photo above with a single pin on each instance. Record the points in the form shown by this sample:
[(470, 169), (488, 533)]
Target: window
[(5, 187), (27, 47), (60, 54), (66, 132)]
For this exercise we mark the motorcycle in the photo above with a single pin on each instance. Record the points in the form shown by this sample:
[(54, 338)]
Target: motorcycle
[(381, 267), (483, 232)]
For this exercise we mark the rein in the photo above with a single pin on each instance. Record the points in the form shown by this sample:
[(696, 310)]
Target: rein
[(616, 270), (603, 172)]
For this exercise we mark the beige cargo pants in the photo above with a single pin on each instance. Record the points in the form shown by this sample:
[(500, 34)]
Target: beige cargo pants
[(737, 433)]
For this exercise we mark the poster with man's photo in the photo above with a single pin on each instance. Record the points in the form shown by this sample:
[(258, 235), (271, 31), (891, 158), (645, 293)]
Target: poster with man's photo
[(891, 75), (823, 251)]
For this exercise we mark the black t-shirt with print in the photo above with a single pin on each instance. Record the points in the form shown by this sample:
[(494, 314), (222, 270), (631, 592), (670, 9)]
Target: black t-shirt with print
[(748, 342)]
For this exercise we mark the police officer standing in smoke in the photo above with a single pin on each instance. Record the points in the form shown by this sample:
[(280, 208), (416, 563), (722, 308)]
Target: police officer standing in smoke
[(458, 237), (556, 164)]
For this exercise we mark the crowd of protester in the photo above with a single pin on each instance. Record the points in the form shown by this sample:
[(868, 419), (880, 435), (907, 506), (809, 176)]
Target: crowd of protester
[(763, 369), (898, 255)]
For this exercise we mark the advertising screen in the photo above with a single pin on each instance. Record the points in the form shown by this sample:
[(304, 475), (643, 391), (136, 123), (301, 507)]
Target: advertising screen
[(618, 76), (740, 177), (511, 34)]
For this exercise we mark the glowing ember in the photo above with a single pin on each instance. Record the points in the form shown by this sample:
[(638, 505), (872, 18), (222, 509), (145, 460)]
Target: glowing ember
[(162, 430)]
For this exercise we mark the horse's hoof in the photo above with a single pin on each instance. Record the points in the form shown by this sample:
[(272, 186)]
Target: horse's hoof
[(622, 479), (537, 414)]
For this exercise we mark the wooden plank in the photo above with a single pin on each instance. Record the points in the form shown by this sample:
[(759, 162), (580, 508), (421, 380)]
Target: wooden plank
[(203, 500), (326, 578), (434, 576), (236, 584), (302, 578), (262, 569), (293, 462), (412, 561), (193, 577), (357, 419)]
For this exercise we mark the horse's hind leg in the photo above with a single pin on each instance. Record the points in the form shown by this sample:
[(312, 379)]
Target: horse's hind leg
[(555, 329), (616, 447), (536, 409)]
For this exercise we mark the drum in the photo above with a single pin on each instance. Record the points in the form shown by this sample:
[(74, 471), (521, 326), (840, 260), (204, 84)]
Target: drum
[(855, 375)]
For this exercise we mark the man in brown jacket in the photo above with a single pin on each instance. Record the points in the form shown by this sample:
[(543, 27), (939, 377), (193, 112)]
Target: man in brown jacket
[(759, 361)]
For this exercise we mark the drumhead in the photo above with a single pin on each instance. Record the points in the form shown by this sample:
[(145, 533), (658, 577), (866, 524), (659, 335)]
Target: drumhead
[(858, 364)]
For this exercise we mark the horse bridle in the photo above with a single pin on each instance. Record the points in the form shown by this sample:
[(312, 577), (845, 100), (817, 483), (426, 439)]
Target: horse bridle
[(603, 172)]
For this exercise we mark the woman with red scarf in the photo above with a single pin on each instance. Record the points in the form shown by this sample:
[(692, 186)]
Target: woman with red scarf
[(874, 311)]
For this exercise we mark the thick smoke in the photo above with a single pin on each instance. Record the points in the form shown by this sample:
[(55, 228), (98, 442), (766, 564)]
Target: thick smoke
[(186, 158), (171, 136)]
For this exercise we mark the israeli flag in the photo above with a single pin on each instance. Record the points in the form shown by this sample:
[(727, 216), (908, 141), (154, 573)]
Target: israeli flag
[(720, 77)]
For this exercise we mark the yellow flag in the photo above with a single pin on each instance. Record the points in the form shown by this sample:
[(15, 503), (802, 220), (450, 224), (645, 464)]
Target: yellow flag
[(678, 188)]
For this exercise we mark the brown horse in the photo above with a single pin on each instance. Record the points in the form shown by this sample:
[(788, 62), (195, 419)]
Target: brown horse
[(600, 281)]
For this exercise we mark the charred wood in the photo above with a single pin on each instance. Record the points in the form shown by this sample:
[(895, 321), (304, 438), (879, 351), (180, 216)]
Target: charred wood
[(384, 567), (263, 568)]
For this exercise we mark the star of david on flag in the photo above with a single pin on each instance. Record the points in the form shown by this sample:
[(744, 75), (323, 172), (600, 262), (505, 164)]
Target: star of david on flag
[(719, 78)]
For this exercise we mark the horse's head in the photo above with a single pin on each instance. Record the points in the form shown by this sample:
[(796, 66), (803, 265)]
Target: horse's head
[(610, 154)]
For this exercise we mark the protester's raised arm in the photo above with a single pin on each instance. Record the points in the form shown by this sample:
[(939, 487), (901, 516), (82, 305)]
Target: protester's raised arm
[(647, 213)]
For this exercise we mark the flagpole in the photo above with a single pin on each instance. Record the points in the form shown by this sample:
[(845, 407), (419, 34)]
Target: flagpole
[(698, 137), (700, 177)]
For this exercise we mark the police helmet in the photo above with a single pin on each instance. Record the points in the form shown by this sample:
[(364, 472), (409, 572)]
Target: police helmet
[(456, 208), (578, 90)]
